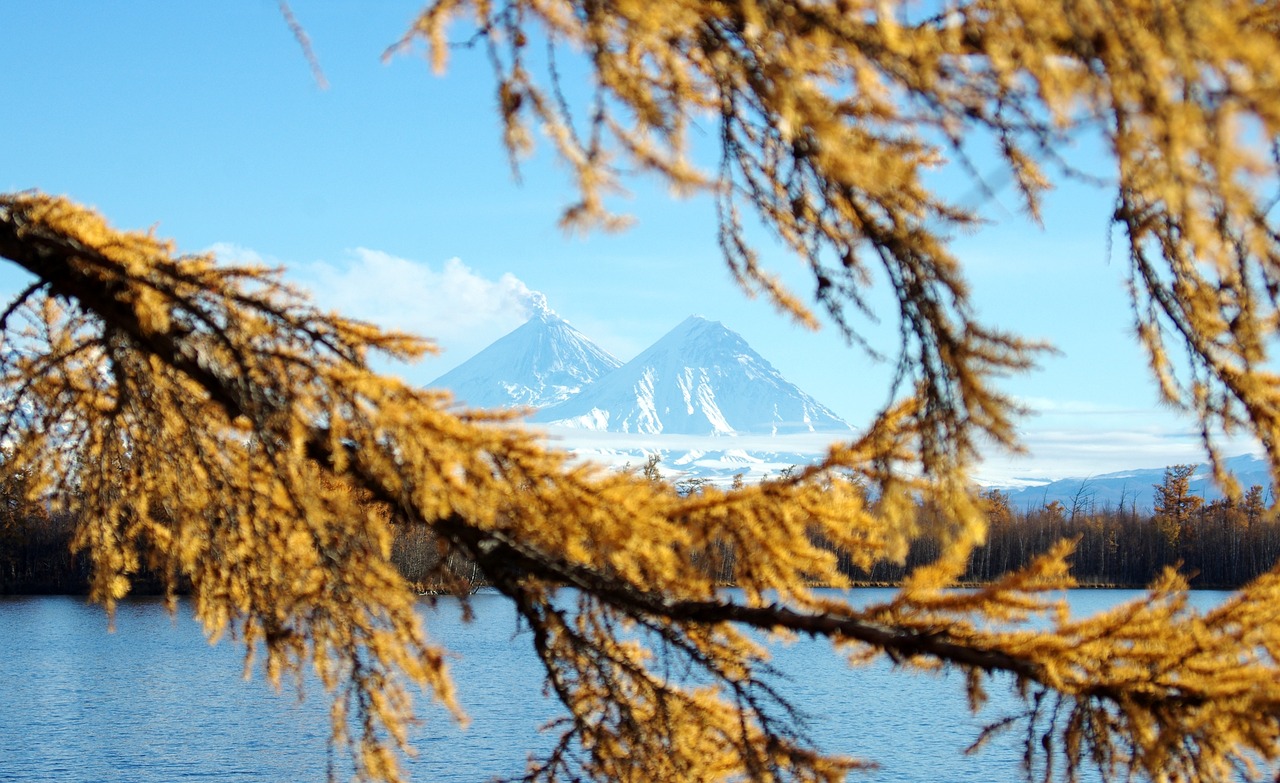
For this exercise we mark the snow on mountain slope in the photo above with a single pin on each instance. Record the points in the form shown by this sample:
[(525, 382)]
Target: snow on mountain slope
[(699, 379), (543, 362)]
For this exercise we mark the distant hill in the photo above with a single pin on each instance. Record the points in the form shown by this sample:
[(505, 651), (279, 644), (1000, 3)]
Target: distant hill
[(1135, 486)]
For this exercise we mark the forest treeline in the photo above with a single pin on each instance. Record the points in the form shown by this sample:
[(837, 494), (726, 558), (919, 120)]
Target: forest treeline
[(1221, 543)]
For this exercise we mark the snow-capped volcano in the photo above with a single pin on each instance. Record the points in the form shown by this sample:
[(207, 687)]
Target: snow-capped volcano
[(543, 362), (699, 379)]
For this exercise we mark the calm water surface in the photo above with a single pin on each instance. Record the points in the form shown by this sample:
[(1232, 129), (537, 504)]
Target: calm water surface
[(154, 702)]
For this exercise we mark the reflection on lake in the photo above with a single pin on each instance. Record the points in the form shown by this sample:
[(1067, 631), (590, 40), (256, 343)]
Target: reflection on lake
[(154, 702)]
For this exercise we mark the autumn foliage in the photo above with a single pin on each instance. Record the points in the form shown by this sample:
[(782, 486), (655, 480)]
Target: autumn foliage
[(206, 422)]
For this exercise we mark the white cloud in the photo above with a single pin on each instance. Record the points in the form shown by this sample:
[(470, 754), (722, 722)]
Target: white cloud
[(449, 304), (460, 309)]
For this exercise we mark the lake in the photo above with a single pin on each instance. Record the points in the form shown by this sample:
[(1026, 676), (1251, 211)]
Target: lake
[(154, 702)]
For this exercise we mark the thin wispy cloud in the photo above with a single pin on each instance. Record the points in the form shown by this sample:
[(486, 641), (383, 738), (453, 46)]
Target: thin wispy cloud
[(1047, 406), (1071, 453)]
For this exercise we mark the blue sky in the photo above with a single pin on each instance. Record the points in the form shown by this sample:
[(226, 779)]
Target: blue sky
[(389, 196)]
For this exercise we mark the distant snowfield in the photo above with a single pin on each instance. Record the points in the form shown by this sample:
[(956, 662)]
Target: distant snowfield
[(716, 458)]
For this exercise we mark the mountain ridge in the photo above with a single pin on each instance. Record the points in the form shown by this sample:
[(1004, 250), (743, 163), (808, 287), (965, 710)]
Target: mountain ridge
[(1134, 486), (542, 362), (700, 378)]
